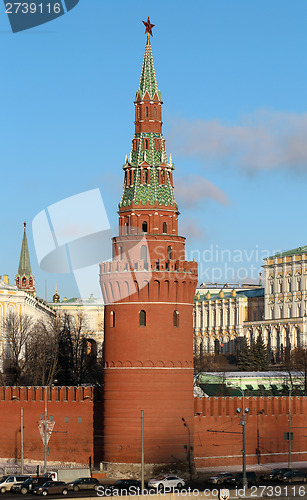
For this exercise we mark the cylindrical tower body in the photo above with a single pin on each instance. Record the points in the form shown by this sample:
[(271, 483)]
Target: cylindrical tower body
[(149, 289)]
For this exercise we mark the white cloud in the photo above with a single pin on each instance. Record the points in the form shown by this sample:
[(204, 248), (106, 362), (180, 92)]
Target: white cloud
[(263, 140), (192, 190)]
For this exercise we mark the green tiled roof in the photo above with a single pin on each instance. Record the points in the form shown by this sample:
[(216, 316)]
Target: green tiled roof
[(148, 79), (295, 251)]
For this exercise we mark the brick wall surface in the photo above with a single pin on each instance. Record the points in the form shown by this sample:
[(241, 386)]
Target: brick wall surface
[(218, 434)]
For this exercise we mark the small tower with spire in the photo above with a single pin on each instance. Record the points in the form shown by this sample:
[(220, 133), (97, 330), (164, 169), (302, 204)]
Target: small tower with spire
[(24, 280)]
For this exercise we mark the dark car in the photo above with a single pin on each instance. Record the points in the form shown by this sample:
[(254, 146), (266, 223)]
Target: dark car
[(84, 483), (221, 478), (28, 485), (51, 488), (294, 476), (275, 474), (122, 486), (251, 478)]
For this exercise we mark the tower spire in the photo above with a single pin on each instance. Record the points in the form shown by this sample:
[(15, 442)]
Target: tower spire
[(24, 279)]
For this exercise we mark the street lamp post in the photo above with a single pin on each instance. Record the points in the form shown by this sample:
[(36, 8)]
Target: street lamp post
[(45, 433), (243, 420)]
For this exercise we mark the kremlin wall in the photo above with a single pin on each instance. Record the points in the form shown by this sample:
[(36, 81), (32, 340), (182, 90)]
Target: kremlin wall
[(77, 434)]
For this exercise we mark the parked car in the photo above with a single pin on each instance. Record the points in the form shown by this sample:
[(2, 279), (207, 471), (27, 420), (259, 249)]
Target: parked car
[(294, 476), (120, 487), (221, 478), (238, 478), (84, 483), (28, 485), (6, 482), (51, 488), (166, 481), (275, 474)]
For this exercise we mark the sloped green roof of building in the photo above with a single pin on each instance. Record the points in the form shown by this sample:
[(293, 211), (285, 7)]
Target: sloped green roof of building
[(295, 251)]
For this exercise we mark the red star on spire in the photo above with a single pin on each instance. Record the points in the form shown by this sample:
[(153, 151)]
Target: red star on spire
[(148, 26)]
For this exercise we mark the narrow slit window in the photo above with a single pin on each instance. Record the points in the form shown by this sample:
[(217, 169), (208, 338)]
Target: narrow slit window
[(142, 318)]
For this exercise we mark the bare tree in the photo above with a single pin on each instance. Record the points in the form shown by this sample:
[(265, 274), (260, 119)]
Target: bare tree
[(18, 330)]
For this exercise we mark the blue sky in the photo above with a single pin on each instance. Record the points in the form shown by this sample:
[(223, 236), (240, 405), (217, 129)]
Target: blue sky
[(233, 77)]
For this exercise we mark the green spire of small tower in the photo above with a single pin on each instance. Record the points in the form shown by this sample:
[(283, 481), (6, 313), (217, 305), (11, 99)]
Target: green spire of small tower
[(24, 279)]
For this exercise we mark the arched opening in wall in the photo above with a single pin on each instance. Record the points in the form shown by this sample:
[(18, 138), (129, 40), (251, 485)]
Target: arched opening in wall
[(164, 230), (146, 111), (146, 144), (127, 227), (145, 176), (169, 253), (112, 319), (120, 252), (142, 318), (130, 177), (24, 281), (144, 253), (139, 113), (144, 227), (176, 319), (126, 178), (30, 282)]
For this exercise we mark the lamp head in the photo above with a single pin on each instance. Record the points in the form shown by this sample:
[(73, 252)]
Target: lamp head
[(238, 410), (246, 410)]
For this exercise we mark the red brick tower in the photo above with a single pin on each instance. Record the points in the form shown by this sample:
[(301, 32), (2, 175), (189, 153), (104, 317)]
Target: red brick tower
[(149, 289)]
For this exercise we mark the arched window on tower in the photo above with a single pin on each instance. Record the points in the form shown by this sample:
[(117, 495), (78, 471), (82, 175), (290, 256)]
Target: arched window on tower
[(146, 112), (24, 281), (144, 253), (127, 227), (162, 177), (120, 252), (164, 228), (30, 281), (169, 253), (142, 318), (145, 176), (155, 112), (139, 113), (130, 177), (146, 144), (144, 227), (176, 318), (112, 319)]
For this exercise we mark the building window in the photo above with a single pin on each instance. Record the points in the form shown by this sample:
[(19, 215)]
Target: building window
[(145, 176), (130, 178), (66, 420), (51, 418), (120, 252), (112, 319), (144, 253), (139, 113), (127, 228), (162, 177), (164, 228), (79, 420), (146, 111), (146, 144), (176, 318), (142, 318), (169, 253), (42, 416), (144, 227), (24, 281), (155, 112)]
